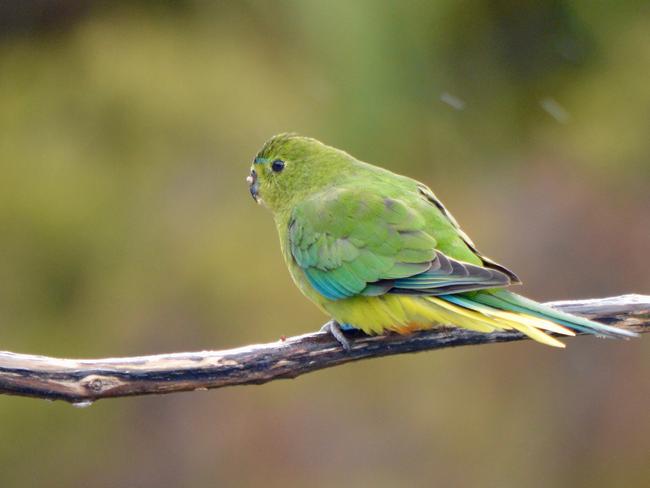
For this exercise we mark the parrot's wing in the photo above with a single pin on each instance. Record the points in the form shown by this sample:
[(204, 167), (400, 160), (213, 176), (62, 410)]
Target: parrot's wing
[(355, 242), (428, 195)]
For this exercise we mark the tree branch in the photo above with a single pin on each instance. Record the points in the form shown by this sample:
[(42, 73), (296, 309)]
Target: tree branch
[(84, 381)]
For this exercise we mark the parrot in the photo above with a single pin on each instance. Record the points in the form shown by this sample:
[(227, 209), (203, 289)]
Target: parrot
[(378, 252)]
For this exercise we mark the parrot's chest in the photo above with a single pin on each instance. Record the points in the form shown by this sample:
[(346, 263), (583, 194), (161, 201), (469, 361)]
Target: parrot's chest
[(300, 279)]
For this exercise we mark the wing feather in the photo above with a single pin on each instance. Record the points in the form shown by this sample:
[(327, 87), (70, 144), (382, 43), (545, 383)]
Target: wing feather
[(355, 242)]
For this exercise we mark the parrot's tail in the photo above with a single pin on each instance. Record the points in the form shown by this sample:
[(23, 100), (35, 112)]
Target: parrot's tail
[(507, 310)]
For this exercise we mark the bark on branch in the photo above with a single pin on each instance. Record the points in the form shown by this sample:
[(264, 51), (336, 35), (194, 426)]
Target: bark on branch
[(84, 381)]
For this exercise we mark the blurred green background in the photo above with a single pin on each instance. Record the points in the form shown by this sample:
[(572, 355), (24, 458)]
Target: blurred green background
[(127, 129)]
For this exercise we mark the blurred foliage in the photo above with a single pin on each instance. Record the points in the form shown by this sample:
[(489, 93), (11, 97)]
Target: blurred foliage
[(126, 228)]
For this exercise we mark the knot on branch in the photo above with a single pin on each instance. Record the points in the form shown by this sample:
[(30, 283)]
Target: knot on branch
[(97, 385)]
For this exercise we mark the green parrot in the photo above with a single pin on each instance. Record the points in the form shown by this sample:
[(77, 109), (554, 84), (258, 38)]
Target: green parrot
[(379, 252)]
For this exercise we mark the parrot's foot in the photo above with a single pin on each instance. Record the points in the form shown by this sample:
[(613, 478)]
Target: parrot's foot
[(334, 328)]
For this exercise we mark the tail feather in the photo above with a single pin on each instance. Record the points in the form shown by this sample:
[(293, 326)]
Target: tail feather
[(501, 309), (533, 327), (539, 323), (506, 300)]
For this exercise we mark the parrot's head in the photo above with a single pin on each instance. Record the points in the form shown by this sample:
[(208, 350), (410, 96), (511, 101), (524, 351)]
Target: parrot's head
[(290, 167)]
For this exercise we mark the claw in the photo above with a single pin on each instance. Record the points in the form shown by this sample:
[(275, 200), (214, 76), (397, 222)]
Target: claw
[(334, 328)]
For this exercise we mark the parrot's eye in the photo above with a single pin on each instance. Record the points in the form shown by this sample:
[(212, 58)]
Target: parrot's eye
[(277, 165)]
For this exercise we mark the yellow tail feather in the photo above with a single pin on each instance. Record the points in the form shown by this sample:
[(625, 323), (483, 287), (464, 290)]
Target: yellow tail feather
[(501, 320)]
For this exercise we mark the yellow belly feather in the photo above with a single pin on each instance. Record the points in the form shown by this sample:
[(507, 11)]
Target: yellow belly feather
[(406, 313)]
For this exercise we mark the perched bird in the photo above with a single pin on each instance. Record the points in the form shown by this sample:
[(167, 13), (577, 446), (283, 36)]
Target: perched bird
[(379, 252)]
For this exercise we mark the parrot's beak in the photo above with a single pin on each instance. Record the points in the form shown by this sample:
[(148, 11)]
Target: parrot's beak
[(253, 185)]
